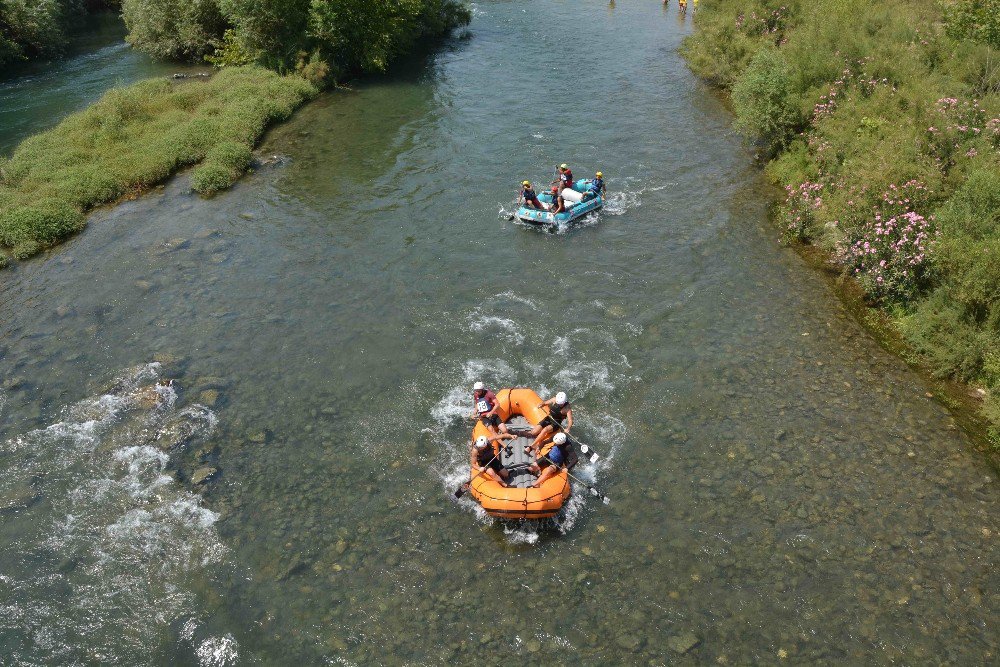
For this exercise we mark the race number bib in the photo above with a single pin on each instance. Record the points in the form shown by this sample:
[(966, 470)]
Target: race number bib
[(483, 407)]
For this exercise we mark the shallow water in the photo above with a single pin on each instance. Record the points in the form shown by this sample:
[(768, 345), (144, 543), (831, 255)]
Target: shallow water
[(780, 485)]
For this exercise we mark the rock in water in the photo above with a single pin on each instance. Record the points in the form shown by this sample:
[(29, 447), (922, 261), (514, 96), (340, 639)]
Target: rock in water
[(203, 475), (683, 642)]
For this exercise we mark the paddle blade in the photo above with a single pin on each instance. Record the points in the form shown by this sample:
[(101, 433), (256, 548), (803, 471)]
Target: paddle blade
[(589, 453), (461, 490)]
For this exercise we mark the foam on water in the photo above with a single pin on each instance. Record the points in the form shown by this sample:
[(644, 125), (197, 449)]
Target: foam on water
[(218, 651), (504, 327), (119, 541)]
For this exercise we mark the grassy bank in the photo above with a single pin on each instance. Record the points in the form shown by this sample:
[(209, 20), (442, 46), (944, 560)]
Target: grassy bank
[(134, 138), (882, 122)]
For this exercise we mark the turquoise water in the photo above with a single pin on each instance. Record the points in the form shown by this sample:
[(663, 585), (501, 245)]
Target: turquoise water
[(781, 487)]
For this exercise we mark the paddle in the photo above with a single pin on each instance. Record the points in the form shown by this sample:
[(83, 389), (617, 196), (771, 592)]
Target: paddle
[(593, 491)]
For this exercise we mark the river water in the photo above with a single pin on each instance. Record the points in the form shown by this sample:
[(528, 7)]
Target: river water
[(781, 487)]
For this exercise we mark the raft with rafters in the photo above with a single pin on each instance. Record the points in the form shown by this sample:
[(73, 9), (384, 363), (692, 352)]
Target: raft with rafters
[(519, 408)]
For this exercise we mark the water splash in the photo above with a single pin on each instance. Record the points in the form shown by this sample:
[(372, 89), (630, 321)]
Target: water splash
[(120, 541)]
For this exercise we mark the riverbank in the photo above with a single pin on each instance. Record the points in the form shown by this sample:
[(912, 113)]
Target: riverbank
[(133, 138), (884, 130)]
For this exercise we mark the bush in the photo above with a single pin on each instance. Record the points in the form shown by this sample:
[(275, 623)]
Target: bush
[(765, 111), (341, 36), (177, 29), (45, 223), (33, 29), (978, 20), (212, 177)]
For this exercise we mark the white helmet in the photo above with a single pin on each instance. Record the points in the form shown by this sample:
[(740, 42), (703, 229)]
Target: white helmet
[(479, 386), (559, 438), (482, 441), (561, 398)]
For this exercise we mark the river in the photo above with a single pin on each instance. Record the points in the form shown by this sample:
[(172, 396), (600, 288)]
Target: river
[(781, 487)]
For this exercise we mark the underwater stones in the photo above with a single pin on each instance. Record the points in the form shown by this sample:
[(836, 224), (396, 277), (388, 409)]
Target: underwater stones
[(684, 642), (209, 397), (258, 437), (21, 496), (143, 285), (64, 311), (173, 244), (629, 641), (203, 475)]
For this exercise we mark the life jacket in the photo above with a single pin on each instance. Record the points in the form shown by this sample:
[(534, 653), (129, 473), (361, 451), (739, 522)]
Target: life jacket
[(484, 455), (567, 178), (483, 404), (558, 413), (529, 194)]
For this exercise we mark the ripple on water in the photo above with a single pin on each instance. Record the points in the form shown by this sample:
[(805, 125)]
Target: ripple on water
[(120, 540)]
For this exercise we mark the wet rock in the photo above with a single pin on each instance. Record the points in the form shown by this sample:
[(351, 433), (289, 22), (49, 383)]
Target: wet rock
[(203, 475), (14, 384), (629, 641), (209, 397), (684, 642), (174, 244), (144, 285), (21, 496), (64, 311), (258, 437), (533, 646)]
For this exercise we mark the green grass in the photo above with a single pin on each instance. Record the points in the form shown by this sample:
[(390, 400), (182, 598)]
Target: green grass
[(134, 138), (848, 105)]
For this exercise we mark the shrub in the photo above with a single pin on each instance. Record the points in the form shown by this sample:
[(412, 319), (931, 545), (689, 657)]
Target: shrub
[(231, 155), (212, 177), (765, 112), (45, 223), (978, 20), (178, 29), (343, 35)]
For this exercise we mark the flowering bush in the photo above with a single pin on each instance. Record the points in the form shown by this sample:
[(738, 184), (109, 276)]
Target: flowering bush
[(800, 209), (888, 251), (764, 23), (958, 123)]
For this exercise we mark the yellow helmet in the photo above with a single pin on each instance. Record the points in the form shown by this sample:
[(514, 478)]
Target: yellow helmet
[(526, 183), (600, 175), (564, 166)]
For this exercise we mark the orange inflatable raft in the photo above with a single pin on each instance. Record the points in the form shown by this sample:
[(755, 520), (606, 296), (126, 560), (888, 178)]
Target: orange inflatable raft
[(519, 409)]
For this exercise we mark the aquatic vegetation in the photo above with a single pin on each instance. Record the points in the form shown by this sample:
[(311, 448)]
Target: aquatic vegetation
[(134, 138), (884, 128)]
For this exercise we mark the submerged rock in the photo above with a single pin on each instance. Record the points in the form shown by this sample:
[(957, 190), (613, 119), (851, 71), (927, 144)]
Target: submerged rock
[(684, 642), (203, 474)]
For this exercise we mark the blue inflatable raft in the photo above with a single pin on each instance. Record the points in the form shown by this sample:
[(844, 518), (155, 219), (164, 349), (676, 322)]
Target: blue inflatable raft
[(587, 204)]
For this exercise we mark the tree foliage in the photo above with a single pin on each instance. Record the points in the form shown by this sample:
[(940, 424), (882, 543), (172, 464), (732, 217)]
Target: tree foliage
[(34, 28), (338, 36), (177, 29)]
